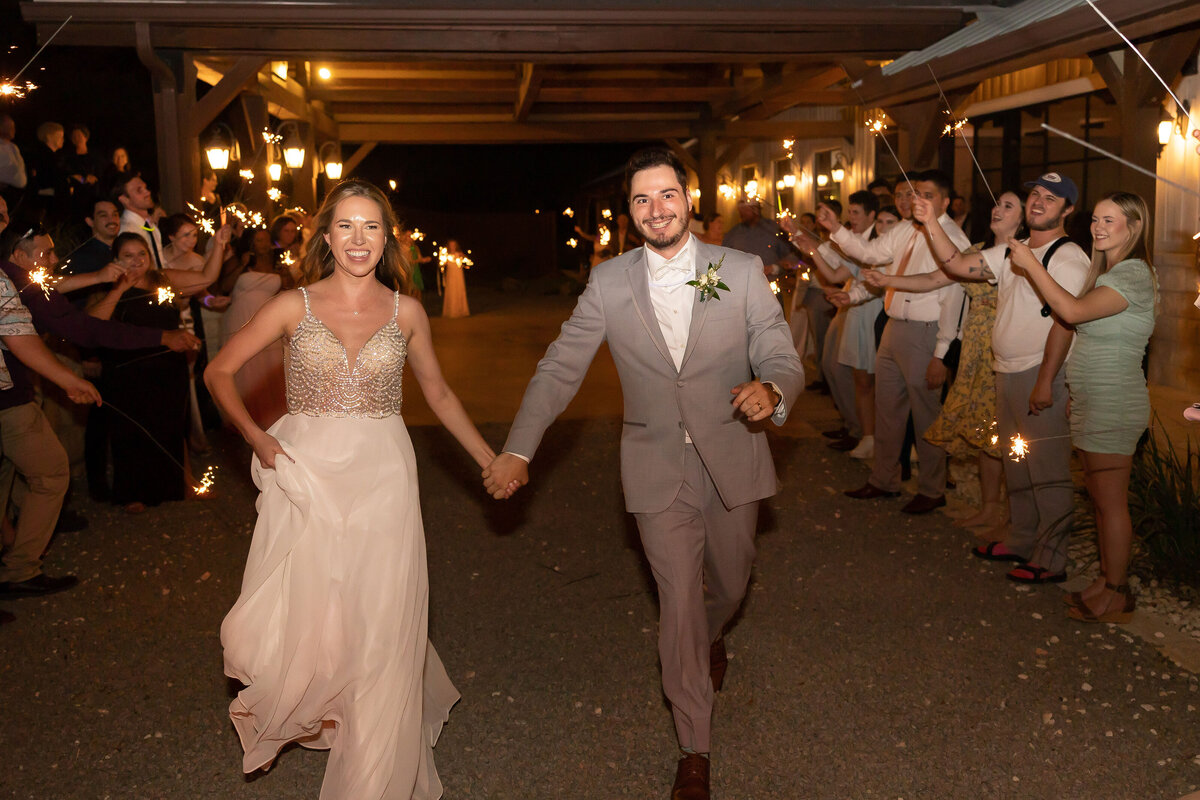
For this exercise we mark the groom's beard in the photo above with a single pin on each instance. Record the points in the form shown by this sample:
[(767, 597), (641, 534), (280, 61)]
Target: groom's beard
[(663, 239)]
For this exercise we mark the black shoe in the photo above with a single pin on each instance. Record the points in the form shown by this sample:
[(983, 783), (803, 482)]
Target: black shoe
[(70, 521), (905, 473), (869, 491), (840, 433), (37, 586), (843, 445), (923, 504)]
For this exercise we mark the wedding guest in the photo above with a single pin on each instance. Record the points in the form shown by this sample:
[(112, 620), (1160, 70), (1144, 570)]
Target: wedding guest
[(149, 386), (454, 299), (714, 229), (693, 468), (137, 216), (285, 234), (967, 425), (13, 176), (909, 370), (1030, 345), (117, 169), (1110, 404), (96, 251), (48, 172), (34, 450)]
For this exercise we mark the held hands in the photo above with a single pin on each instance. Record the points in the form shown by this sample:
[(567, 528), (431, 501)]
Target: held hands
[(180, 341), (81, 391), (505, 475), (755, 400), (838, 298), (935, 374), (217, 302), (223, 234)]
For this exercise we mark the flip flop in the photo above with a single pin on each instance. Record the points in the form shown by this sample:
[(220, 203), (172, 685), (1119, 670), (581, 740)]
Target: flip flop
[(996, 551), (1036, 574)]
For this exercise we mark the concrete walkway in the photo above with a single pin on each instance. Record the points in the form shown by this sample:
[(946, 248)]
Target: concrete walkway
[(874, 657)]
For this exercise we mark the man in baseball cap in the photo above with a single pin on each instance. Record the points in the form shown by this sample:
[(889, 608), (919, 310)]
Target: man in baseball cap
[(1060, 185)]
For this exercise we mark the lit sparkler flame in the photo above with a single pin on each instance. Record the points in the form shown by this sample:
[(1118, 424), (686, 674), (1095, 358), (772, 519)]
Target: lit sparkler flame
[(953, 127), (271, 138), (606, 213), (774, 287), (876, 125), (287, 259), (446, 257), (995, 440), (1020, 448), (247, 174), (605, 236), (165, 295), (274, 194), (418, 235), (206, 481), (42, 279), (568, 212), (16, 90), (572, 242), (206, 225)]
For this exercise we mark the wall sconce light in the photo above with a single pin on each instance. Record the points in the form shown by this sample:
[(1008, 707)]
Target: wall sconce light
[(275, 171), (1165, 129), (333, 162), (280, 70), (726, 191), (291, 142), (822, 180), (838, 173), (220, 147), (779, 185), (789, 180)]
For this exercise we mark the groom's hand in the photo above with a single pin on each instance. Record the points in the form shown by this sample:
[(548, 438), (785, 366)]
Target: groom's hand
[(505, 475), (755, 400)]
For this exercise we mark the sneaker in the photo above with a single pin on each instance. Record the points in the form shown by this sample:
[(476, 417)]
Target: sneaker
[(865, 448), (1192, 414)]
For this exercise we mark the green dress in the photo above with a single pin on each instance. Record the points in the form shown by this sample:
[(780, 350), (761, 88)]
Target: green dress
[(968, 419), (1110, 405)]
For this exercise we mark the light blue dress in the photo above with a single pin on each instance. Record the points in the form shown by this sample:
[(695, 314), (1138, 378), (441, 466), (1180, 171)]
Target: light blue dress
[(1110, 405), (857, 347)]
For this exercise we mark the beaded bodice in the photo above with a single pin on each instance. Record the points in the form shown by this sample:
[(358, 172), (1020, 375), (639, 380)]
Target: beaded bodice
[(321, 381)]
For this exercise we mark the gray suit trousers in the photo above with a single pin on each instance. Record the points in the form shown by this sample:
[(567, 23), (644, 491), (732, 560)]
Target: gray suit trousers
[(1041, 494), (840, 377), (700, 553), (904, 355)]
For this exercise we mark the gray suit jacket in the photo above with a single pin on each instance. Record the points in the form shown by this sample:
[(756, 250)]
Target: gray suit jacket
[(731, 340)]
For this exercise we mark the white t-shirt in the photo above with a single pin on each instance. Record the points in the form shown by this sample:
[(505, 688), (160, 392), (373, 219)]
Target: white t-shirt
[(1019, 337)]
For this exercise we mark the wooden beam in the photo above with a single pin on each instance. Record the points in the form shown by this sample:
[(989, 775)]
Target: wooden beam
[(687, 158), (923, 123), (165, 86), (353, 161), (527, 91), (217, 98), (730, 152)]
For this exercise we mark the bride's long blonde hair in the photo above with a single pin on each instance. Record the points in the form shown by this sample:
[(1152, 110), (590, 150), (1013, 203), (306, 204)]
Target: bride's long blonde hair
[(393, 269)]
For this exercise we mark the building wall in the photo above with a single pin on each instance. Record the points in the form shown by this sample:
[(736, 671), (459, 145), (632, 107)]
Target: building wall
[(1175, 347)]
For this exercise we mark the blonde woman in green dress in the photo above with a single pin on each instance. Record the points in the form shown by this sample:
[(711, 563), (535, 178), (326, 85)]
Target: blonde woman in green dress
[(1110, 404)]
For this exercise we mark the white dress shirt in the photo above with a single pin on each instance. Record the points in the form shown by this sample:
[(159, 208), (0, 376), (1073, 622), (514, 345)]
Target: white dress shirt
[(12, 165)]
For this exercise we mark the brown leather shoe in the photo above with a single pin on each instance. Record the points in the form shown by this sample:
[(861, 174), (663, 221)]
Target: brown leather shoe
[(717, 662), (923, 504), (869, 491), (691, 778)]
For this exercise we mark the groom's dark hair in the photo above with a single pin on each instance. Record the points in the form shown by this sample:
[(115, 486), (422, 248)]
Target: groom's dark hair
[(650, 157)]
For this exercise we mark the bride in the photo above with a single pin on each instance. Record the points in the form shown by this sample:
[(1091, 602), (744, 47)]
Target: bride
[(329, 634)]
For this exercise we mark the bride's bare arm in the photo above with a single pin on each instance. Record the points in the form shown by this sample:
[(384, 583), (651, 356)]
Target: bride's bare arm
[(442, 401), (275, 319)]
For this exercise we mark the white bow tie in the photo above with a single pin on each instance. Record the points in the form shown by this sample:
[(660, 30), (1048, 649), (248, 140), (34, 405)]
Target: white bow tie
[(679, 266)]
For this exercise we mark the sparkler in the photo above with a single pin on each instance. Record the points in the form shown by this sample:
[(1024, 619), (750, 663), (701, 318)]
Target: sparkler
[(1179, 106), (274, 194), (1020, 446), (605, 236), (271, 138), (606, 213), (165, 295), (1120, 160), (11, 88), (418, 235), (878, 127), (206, 225), (247, 174), (957, 125), (568, 212), (44, 280), (789, 145), (572, 242), (287, 259), (775, 287), (206, 481)]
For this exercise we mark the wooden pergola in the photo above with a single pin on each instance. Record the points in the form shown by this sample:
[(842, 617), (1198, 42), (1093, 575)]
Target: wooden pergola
[(705, 77)]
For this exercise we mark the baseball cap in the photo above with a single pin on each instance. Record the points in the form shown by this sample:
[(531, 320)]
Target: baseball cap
[(1060, 185)]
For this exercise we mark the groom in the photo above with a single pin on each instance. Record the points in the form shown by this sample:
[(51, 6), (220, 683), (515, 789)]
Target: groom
[(696, 374)]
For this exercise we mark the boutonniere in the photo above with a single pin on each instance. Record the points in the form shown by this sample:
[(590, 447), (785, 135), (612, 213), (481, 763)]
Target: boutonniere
[(710, 282)]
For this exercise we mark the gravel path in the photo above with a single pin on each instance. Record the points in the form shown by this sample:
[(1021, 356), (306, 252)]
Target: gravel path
[(874, 657)]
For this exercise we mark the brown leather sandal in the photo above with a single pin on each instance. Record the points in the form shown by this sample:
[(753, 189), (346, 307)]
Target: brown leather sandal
[(1121, 615)]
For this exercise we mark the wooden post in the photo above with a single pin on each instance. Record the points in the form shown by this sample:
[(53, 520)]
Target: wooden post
[(166, 120), (707, 173)]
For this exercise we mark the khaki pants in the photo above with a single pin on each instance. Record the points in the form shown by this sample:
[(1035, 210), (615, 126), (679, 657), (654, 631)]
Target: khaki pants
[(27, 440)]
